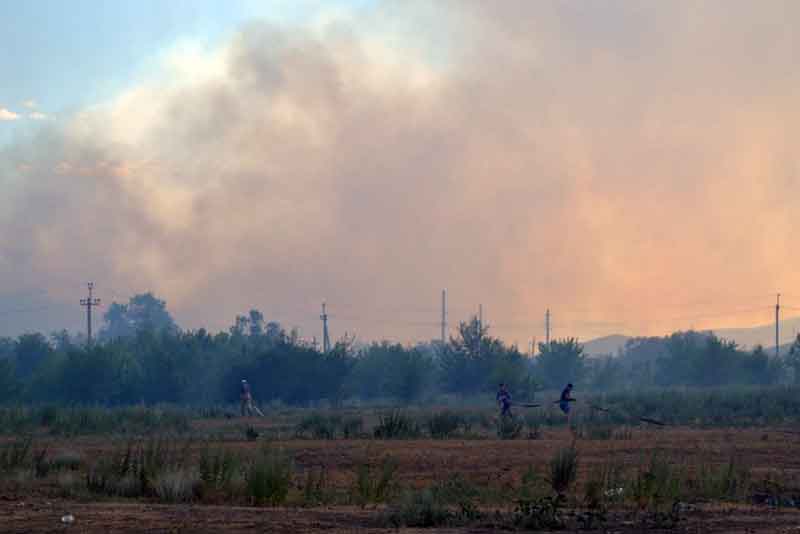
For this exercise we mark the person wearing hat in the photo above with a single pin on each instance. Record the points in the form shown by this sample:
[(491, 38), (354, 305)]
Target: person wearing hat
[(246, 399)]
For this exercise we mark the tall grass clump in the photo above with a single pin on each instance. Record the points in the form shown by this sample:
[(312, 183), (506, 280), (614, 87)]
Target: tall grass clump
[(318, 426), (396, 425), (177, 485), (509, 428), (445, 424), (132, 470), (268, 477), (563, 469), (16, 455), (657, 484), (218, 468), (373, 485)]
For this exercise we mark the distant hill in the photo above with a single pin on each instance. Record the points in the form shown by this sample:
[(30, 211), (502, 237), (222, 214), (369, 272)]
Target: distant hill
[(762, 335), (604, 346), (746, 338)]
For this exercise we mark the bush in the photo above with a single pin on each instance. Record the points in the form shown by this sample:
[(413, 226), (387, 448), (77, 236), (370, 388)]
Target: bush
[(66, 460), (352, 427), (372, 487), (269, 477), (420, 509), (657, 484), (396, 425), (131, 471), (16, 455), (318, 426), (538, 514), (443, 425), (177, 486), (563, 469), (217, 468), (315, 489), (509, 428)]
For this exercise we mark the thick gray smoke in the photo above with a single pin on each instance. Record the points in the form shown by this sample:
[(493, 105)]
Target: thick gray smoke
[(613, 161)]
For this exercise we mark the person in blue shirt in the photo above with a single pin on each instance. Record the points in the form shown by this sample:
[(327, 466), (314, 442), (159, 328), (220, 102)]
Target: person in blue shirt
[(504, 401), (566, 398)]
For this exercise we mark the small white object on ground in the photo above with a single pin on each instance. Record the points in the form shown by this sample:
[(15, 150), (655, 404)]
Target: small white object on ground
[(67, 519)]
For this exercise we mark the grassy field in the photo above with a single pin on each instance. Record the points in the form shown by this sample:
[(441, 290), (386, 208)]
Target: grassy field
[(172, 469)]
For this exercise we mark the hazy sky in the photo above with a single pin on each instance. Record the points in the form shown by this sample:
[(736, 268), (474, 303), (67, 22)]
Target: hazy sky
[(632, 166)]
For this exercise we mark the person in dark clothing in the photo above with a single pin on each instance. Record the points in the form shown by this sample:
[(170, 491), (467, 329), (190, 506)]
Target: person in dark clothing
[(504, 401), (566, 398)]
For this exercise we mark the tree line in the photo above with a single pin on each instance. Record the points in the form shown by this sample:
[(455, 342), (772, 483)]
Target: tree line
[(142, 356)]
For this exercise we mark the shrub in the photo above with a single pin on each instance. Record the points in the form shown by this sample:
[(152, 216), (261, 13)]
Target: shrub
[(217, 468), (538, 514), (16, 455), (315, 489), (420, 509), (352, 427), (396, 425), (66, 460), (728, 481), (372, 487), (268, 477), (132, 470), (175, 486), (563, 469), (657, 483), (509, 428), (318, 426), (443, 425)]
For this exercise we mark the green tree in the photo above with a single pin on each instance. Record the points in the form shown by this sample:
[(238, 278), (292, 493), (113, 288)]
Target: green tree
[(560, 362), (793, 359), (143, 312), (30, 351)]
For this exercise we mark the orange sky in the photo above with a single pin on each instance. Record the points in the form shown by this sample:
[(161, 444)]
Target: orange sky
[(634, 167)]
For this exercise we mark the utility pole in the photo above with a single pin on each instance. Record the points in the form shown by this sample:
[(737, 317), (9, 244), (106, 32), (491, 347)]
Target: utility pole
[(777, 326), (89, 302), (326, 341), (444, 316), (480, 316), (547, 328)]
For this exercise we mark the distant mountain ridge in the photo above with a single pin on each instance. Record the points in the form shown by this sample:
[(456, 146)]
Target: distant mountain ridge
[(746, 338)]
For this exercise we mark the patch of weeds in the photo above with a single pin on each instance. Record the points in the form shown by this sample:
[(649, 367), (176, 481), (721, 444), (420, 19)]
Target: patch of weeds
[(16, 454), (420, 509), (538, 514), (217, 468), (657, 484), (70, 484), (563, 469), (444, 425), (318, 426), (374, 486), (352, 427), (176, 486), (251, 433), (509, 428), (396, 425), (66, 460), (729, 481), (316, 490), (269, 477), (132, 470)]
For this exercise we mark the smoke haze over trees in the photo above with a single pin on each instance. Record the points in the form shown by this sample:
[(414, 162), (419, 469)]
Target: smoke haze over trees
[(153, 361)]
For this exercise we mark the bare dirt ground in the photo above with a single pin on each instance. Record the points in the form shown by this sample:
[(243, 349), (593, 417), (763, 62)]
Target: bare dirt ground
[(492, 463)]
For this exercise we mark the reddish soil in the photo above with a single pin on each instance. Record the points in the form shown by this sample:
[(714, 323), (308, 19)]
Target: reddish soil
[(493, 463)]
